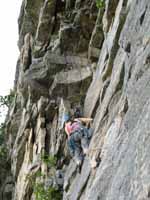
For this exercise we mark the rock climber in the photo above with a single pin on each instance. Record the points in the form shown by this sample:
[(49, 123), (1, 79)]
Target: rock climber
[(78, 137)]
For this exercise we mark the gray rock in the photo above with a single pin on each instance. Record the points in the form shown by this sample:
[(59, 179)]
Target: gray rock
[(29, 10), (97, 37), (45, 26), (8, 187), (19, 146), (41, 105), (74, 83), (79, 183), (105, 64), (25, 57), (74, 54), (59, 178)]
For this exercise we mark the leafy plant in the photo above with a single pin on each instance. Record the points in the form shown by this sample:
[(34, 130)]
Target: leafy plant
[(2, 131), (7, 99), (100, 3), (49, 160), (32, 177), (42, 193)]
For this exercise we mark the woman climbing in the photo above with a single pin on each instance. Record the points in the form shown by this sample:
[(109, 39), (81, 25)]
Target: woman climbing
[(78, 137)]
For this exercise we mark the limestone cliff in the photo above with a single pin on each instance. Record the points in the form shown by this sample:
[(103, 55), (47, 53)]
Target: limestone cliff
[(73, 54)]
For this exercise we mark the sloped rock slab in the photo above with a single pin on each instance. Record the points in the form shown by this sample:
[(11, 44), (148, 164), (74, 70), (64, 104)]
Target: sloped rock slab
[(79, 183)]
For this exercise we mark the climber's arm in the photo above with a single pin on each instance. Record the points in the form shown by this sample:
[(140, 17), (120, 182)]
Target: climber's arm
[(66, 130), (84, 120)]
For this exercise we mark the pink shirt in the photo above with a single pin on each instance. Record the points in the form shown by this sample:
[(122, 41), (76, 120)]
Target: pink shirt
[(72, 127), (75, 126)]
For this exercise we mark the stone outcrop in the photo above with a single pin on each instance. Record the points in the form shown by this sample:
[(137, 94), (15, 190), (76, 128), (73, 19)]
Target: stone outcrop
[(73, 54)]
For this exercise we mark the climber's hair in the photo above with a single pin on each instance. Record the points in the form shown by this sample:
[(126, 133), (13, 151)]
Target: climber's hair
[(77, 113), (68, 120)]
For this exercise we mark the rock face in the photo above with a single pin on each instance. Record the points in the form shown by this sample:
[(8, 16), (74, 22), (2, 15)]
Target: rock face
[(73, 54)]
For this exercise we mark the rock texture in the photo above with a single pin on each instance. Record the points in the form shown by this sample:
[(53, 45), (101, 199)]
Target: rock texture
[(73, 54)]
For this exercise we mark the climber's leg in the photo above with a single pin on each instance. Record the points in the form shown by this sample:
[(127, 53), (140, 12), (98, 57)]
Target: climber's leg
[(74, 143), (85, 140), (90, 133), (78, 155), (85, 144), (87, 132), (71, 146)]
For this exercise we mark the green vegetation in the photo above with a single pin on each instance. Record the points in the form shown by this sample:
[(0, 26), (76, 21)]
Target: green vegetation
[(100, 3), (2, 130), (42, 193), (5, 102), (40, 190), (7, 99), (49, 160)]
